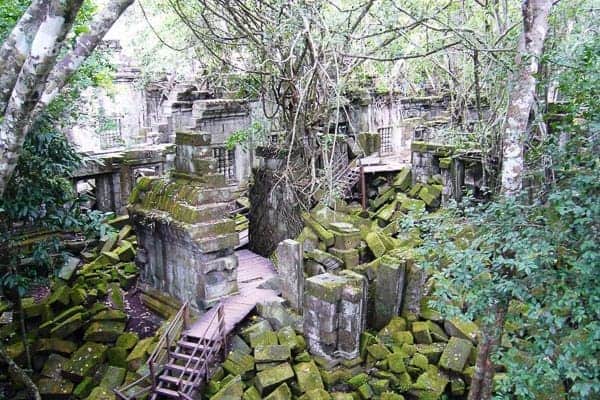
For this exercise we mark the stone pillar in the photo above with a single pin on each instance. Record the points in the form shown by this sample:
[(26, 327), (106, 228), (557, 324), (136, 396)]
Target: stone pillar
[(346, 242), (415, 288), (389, 289), (335, 314), (290, 267)]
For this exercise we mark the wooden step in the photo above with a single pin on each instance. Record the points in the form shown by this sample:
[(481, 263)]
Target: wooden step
[(175, 380), (179, 368), (190, 345), (167, 392), (182, 356)]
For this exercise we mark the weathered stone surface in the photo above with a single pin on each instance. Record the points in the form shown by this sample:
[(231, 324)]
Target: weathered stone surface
[(104, 331), (272, 377), (308, 376), (421, 332), (415, 288), (272, 353), (282, 392), (84, 388), (127, 340), (328, 260), (238, 363), (117, 356), (290, 268), (138, 354), (102, 393), (456, 354), (389, 289), (232, 390), (430, 384), (350, 257), (113, 377), (53, 366), (68, 326), (53, 345), (68, 268), (84, 361), (463, 329), (375, 244), (55, 388)]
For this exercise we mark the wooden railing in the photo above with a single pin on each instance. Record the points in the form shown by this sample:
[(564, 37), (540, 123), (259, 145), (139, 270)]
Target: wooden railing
[(213, 341), (159, 357)]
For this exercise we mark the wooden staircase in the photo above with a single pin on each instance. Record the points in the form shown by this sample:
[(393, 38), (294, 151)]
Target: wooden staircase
[(180, 363)]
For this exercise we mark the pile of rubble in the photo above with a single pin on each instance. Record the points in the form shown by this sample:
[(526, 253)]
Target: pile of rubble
[(417, 358), (77, 334), (357, 264)]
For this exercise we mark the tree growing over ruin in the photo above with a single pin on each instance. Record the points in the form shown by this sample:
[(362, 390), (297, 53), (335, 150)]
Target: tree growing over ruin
[(38, 63)]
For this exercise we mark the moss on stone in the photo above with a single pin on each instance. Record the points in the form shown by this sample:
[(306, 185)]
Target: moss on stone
[(273, 376), (308, 376), (84, 361)]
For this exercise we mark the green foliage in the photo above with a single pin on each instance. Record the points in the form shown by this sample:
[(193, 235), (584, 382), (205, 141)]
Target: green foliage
[(247, 138), (10, 12)]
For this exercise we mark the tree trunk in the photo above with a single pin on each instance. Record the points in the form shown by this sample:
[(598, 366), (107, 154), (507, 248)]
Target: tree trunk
[(19, 376), (531, 43), (31, 82), (482, 383), (16, 46)]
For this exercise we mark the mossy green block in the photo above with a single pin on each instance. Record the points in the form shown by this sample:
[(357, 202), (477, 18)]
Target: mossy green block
[(287, 337), (104, 331), (396, 362), (421, 332), (272, 377), (282, 392), (251, 394), (391, 396), (419, 361), (84, 361), (110, 315), (54, 345), (302, 357), (68, 326), (378, 351), (271, 353), (432, 381), (233, 389), (54, 388), (380, 385), (255, 329), (113, 377), (308, 376), (375, 244), (267, 338), (127, 340), (431, 351), (366, 392), (316, 394), (138, 354), (117, 356), (358, 380), (456, 354), (366, 339), (83, 389), (238, 363)]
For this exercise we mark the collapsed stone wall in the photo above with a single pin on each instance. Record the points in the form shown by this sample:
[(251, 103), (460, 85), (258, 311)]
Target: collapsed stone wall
[(274, 213), (185, 235)]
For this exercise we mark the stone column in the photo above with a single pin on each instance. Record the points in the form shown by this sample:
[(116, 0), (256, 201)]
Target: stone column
[(389, 289), (335, 314), (291, 270)]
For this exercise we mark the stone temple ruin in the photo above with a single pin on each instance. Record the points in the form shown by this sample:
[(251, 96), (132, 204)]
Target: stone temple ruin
[(183, 229)]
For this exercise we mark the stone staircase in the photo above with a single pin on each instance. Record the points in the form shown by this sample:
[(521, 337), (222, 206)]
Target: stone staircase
[(186, 370)]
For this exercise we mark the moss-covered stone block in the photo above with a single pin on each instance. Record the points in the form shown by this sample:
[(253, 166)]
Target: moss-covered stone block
[(463, 329), (282, 392), (84, 361), (431, 351), (84, 388), (456, 354), (251, 394), (53, 366), (272, 377), (117, 356), (421, 332), (396, 362), (308, 376), (402, 180), (68, 326), (238, 363), (272, 353), (127, 340), (431, 384), (102, 393), (138, 354), (366, 392), (113, 377), (378, 351), (55, 388), (375, 244), (325, 235), (54, 345), (419, 361), (104, 331)]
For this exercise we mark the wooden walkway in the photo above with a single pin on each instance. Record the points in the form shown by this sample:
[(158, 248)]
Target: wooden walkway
[(253, 270)]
